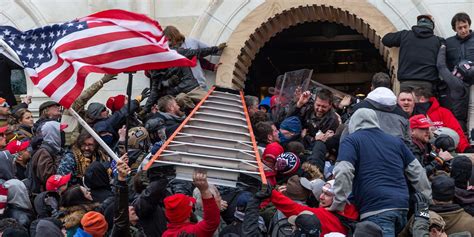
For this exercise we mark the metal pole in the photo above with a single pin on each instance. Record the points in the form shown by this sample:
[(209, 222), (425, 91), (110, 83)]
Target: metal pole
[(94, 134), (129, 95)]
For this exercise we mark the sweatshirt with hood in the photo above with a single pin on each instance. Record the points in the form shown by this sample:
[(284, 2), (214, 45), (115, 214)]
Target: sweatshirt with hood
[(7, 170), (375, 154), (442, 117), (45, 160), (19, 205), (97, 180), (392, 119), (418, 53)]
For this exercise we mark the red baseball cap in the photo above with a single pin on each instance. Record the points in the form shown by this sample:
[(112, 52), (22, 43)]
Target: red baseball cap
[(56, 181), (419, 121), (16, 146), (3, 129)]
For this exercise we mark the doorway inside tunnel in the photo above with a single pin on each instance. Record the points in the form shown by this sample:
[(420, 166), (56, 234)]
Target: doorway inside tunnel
[(339, 56)]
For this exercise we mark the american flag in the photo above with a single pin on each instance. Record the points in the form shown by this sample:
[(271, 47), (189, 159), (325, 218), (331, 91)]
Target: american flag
[(59, 57)]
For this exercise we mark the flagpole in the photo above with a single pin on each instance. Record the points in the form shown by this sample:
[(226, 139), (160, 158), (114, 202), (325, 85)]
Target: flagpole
[(129, 95), (94, 134)]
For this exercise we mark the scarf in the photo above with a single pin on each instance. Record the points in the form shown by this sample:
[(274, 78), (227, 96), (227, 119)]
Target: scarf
[(83, 162)]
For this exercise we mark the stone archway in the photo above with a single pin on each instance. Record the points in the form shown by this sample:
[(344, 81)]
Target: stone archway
[(272, 17)]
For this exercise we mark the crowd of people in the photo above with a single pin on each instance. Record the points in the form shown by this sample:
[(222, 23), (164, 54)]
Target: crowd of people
[(387, 165)]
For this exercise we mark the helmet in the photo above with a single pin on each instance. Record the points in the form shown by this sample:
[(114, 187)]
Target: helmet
[(466, 69), (448, 132), (137, 137)]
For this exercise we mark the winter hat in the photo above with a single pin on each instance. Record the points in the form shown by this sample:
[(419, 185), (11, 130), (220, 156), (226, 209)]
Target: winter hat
[(383, 95), (49, 227), (425, 21), (292, 124), (419, 121), (265, 103), (16, 146), (242, 200), (94, 224), (287, 163), (115, 103), (461, 171), (367, 228), (94, 110), (270, 154), (307, 224), (56, 181), (363, 119), (178, 207), (295, 190), (442, 188)]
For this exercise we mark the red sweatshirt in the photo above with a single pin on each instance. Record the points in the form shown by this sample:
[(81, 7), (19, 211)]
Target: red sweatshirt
[(329, 222), (204, 228), (442, 117)]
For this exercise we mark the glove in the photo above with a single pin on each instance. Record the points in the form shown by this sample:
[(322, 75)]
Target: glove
[(108, 77), (421, 206), (264, 193), (145, 94), (221, 46)]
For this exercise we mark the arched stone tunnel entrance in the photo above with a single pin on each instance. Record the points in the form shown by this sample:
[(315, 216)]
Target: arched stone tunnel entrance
[(273, 18)]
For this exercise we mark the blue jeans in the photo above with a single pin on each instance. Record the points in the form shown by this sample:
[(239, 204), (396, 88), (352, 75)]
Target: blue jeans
[(392, 222)]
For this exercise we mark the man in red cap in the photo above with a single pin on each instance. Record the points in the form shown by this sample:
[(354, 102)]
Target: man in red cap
[(57, 183), (19, 149), (420, 135), (178, 208)]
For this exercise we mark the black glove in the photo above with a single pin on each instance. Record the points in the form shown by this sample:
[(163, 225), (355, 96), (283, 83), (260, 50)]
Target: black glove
[(264, 193), (145, 93), (421, 206)]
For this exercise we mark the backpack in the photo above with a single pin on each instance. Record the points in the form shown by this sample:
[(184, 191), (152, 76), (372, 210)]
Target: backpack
[(347, 223), (279, 226)]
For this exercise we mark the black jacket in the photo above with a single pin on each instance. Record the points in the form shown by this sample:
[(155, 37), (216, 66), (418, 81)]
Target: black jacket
[(97, 180), (418, 52), (309, 120), (465, 198), (121, 225), (454, 92), (173, 81), (149, 208), (458, 49)]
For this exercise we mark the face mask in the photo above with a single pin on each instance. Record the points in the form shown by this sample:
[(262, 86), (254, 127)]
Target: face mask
[(108, 139), (283, 139), (423, 107)]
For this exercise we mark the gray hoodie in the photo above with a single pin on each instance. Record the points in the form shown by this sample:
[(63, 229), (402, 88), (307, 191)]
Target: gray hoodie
[(18, 194), (52, 135), (363, 119)]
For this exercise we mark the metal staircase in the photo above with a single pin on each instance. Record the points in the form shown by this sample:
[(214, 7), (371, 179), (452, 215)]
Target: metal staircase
[(216, 137)]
